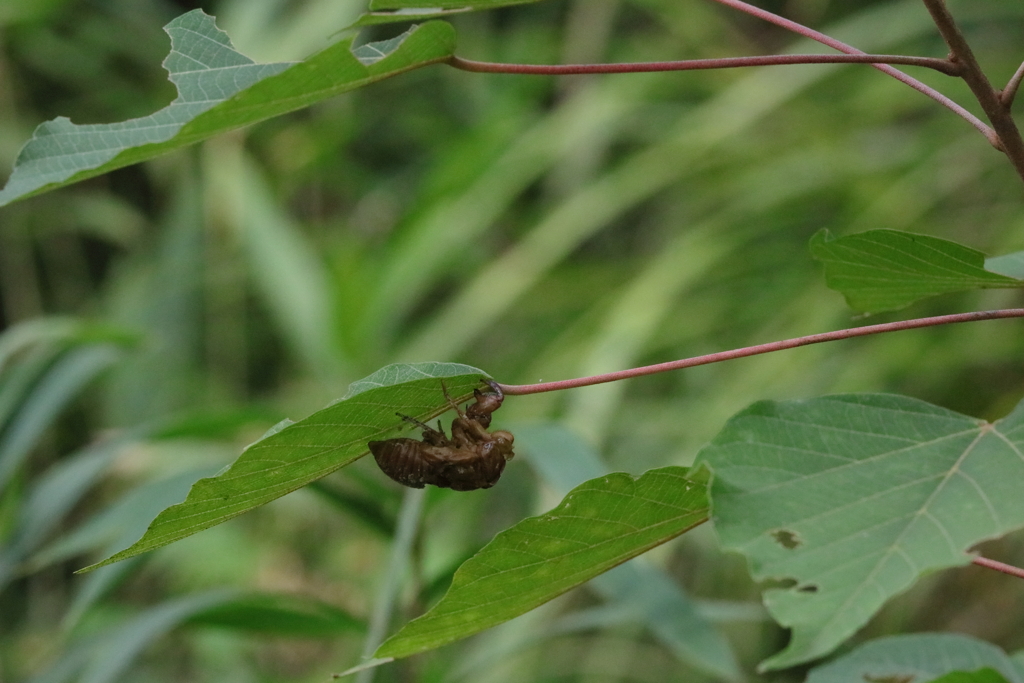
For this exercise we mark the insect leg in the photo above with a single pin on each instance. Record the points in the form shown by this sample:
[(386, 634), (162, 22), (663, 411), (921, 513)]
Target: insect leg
[(429, 432), (452, 403)]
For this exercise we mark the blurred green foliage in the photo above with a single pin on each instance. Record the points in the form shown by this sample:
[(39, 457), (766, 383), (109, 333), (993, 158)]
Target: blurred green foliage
[(538, 228)]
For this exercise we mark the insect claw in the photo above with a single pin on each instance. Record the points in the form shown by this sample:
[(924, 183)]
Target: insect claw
[(495, 386)]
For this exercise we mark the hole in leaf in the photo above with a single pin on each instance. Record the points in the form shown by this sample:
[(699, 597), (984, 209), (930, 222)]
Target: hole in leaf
[(808, 588), (787, 539)]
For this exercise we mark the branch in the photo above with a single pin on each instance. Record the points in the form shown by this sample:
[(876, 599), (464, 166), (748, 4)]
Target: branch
[(989, 99), (999, 566), (944, 65), (1010, 91), (917, 85), (521, 389)]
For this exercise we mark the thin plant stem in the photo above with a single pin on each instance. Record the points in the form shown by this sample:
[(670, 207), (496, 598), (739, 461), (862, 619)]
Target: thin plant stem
[(401, 550), (999, 566), (522, 389), (942, 65), (917, 85), (997, 111), (1010, 91)]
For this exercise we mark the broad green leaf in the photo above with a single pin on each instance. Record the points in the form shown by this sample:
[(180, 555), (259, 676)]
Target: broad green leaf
[(854, 497), (302, 452), (920, 658), (279, 614), (390, 11), (420, 5), (563, 460), (412, 14), (884, 270), (600, 524), (219, 89)]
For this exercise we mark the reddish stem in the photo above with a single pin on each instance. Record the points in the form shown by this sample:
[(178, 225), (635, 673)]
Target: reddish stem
[(1007, 134), (944, 65), (999, 566), (917, 85), (521, 389)]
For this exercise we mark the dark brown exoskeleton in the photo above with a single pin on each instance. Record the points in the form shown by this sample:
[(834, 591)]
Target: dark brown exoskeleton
[(471, 459)]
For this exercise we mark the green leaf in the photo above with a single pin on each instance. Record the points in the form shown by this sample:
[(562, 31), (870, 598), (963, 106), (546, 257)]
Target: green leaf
[(855, 496), (378, 5), (219, 89), (600, 524), (391, 11), (304, 451), (563, 460), (884, 270), (921, 657), (280, 615)]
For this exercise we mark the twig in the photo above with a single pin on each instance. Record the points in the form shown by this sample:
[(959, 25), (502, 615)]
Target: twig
[(996, 110), (1010, 91), (999, 566), (522, 389), (943, 65), (917, 85)]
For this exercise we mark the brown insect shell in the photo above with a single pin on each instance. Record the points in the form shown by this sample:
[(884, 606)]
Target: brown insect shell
[(471, 459), (416, 463)]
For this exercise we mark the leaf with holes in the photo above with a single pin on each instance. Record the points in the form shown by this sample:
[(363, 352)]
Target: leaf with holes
[(854, 497), (884, 270), (219, 89), (293, 454), (600, 524)]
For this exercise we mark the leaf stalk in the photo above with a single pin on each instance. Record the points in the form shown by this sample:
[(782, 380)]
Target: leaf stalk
[(824, 39), (999, 566), (942, 65), (867, 330)]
